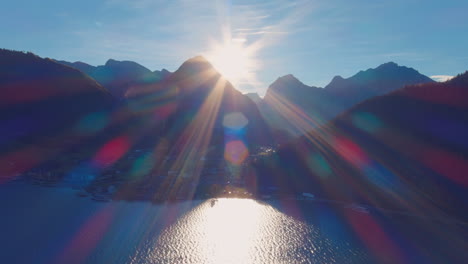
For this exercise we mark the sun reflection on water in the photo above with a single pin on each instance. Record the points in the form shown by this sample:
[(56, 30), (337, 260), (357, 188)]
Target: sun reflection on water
[(230, 230), (242, 231)]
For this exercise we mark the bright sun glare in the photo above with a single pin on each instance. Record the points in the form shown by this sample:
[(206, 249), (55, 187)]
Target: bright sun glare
[(233, 60)]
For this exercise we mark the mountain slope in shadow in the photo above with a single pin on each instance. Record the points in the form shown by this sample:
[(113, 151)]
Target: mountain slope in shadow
[(44, 106), (404, 150), (46, 92)]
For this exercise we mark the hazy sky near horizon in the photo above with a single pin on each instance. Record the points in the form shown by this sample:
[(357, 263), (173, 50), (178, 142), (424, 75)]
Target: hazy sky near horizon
[(314, 40)]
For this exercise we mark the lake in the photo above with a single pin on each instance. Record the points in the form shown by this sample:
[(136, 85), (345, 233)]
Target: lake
[(54, 225)]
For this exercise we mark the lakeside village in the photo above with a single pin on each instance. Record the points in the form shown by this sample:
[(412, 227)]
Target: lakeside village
[(134, 177)]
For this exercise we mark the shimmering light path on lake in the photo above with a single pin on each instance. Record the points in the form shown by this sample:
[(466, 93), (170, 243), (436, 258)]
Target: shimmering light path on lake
[(243, 231)]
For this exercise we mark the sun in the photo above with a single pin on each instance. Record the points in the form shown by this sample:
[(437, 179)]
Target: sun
[(233, 60)]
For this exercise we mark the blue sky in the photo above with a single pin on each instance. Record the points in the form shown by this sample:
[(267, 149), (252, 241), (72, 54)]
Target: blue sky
[(314, 40)]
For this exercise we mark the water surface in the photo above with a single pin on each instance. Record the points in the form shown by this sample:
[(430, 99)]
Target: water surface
[(54, 225)]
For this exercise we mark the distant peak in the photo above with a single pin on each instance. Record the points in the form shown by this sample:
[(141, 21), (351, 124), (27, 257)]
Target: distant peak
[(288, 79), (388, 65), (111, 62), (197, 59), (164, 71), (81, 63), (195, 65), (337, 78), (126, 66)]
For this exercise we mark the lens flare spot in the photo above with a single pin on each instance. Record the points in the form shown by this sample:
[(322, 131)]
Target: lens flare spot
[(319, 165), (235, 120), (446, 164), (374, 237), (381, 176), (164, 111), (351, 152), (142, 165), (87, 237), (92, 123), (236, 152), (111, 152), (366, 121)]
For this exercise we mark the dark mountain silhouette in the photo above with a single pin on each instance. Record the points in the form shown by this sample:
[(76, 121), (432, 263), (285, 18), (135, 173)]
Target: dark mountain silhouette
[(43, 104), (46, 89), (119, 76), (292, 105), (372, 82), (406, 150), (200, 125), (194, 88), (159, 75), (289, 104)]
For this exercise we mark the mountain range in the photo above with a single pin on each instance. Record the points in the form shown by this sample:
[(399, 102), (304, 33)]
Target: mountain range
[(195, 104), (119, 76), (389, 137), (188, 117), (299, 108), (289, 105)]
